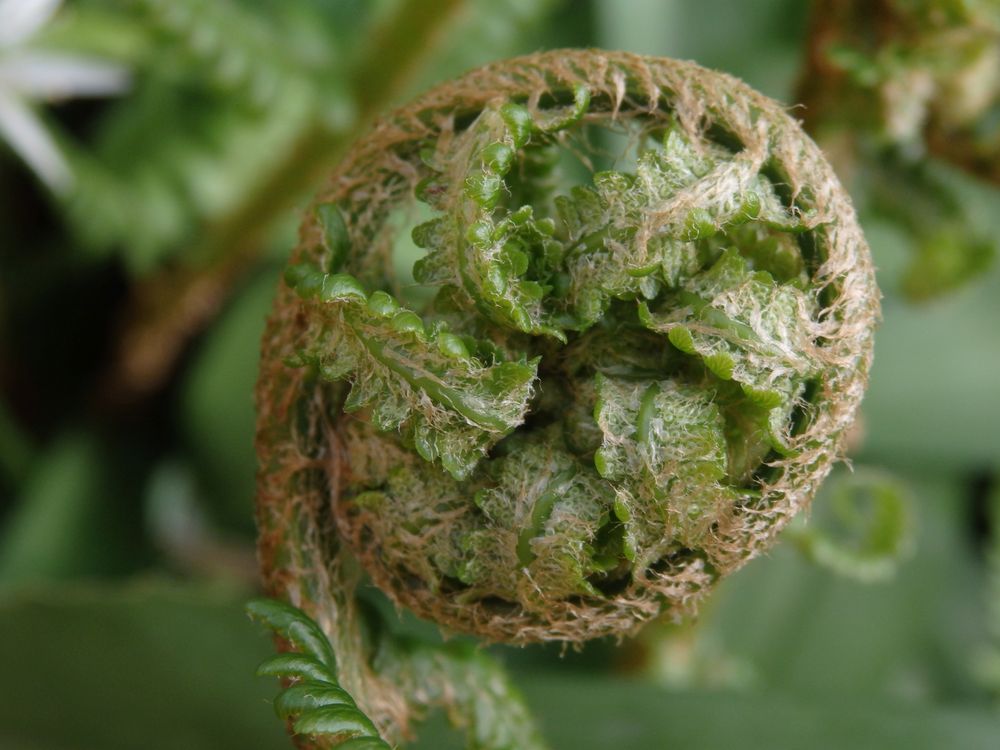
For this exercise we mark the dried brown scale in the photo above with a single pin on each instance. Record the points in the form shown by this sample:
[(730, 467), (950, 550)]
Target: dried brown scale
[(304, 445)]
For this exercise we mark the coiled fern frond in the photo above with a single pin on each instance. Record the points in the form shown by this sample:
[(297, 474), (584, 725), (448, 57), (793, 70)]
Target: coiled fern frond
[(640, 326)]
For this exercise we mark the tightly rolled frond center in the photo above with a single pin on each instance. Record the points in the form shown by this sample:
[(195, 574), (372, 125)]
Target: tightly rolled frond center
[(639, 322)]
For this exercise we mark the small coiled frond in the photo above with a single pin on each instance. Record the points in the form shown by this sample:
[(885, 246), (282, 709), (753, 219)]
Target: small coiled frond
[(865, 529)]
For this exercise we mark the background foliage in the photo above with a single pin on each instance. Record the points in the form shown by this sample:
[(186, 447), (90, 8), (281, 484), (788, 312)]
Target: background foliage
[(132, 297)]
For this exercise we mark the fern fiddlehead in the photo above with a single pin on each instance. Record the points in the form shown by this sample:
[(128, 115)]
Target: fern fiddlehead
[(627, 357)]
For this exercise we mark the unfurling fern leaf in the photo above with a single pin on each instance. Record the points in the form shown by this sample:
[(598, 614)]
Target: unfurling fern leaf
[(648, 323)]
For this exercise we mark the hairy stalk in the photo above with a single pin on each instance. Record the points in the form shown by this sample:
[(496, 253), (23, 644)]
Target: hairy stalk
[(639, 329)]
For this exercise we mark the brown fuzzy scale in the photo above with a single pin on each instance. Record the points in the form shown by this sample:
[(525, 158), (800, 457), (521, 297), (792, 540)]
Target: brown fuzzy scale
[(301, 438)]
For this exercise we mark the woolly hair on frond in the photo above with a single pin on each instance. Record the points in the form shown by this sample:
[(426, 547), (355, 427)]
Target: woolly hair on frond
[(640, 323)]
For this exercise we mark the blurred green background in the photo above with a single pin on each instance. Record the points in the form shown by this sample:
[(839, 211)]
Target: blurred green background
[(155, 156)]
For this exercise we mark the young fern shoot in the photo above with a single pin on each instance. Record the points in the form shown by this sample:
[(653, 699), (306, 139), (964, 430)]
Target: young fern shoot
[(640, 326)]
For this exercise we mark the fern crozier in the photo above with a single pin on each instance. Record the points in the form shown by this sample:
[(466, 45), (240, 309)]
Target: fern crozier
[(640, 325)]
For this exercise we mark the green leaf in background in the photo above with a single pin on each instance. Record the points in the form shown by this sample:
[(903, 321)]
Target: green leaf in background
[(223, 93), (946, 260), (615, 714), (150, 665), (174, 648), (952, 243), (70, 520), (934, 398), (16, 451), (803, 629), (216, 404), (731, 42)]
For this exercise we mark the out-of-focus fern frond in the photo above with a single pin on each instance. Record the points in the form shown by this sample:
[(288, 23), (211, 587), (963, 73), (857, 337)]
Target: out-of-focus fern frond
[(251, 51), (219, 105), (472, 688), (200, 158), (863, 527), (948, 248), (233, 98)]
